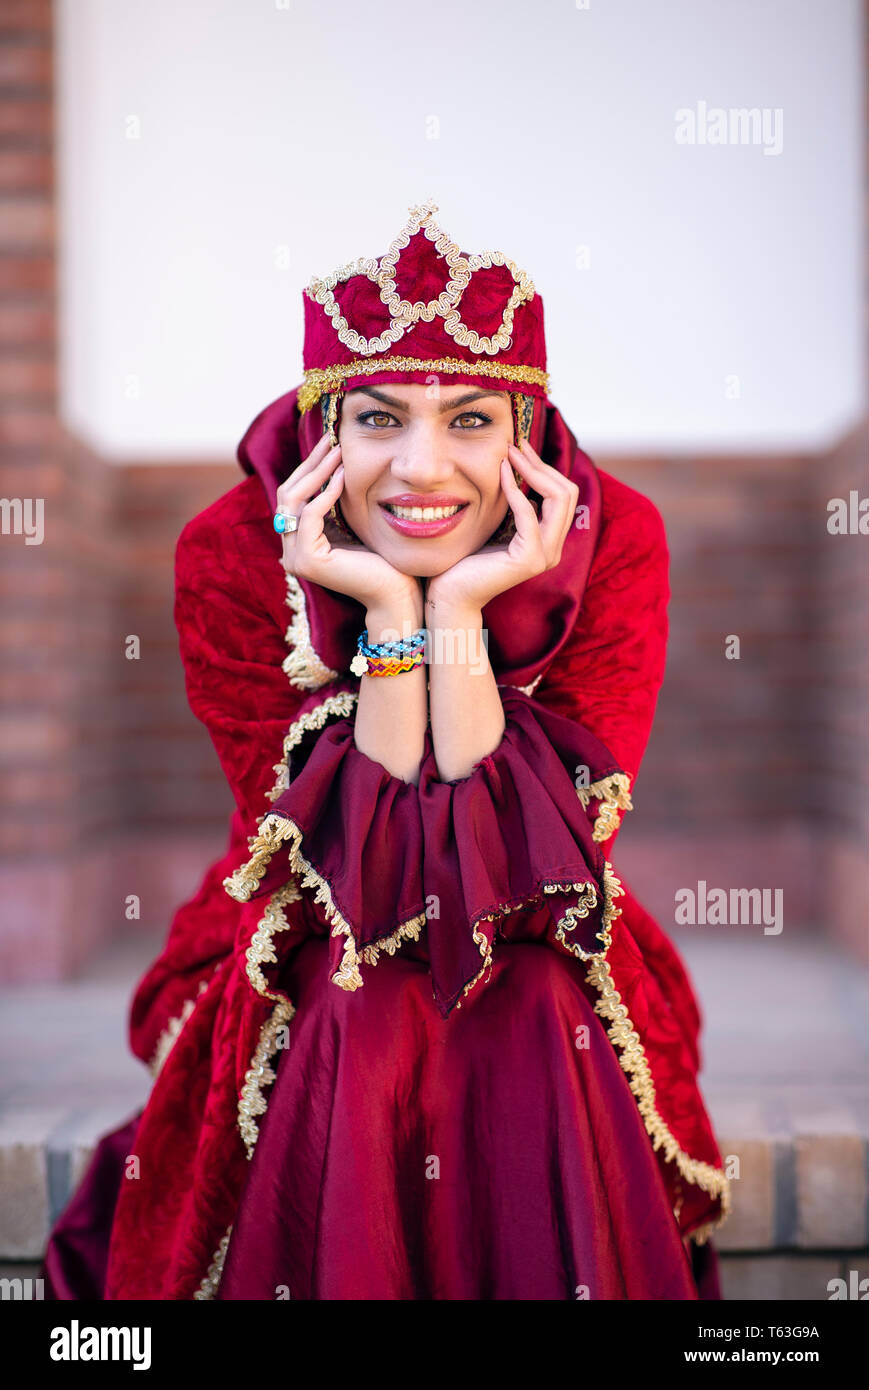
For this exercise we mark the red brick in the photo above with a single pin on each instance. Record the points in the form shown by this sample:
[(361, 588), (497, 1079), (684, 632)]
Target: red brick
[(21, 429), (26, 16), (26, 222), (31, 377), (25, 64), (26, 274), (27, 121), (23, 324), (24, 171)]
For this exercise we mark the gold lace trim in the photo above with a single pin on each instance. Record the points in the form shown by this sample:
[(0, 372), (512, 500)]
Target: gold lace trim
[(338, 705), (251, 1101), (573, 914), (408, 931), (171, 1032), (622, 1034), (208, 1288), (275, 831), (302, 665), (611, 888), (403, 314), (243, 883), (615, 796), (261, 950)]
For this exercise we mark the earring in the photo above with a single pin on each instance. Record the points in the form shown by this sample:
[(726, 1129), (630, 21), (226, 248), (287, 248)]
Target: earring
[(329, 402), (523, 415), (506, 531), (335, 515)]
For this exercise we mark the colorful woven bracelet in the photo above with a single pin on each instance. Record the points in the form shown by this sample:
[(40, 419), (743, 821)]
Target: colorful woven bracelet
[(393, 665), (388, 658), (408, 644)]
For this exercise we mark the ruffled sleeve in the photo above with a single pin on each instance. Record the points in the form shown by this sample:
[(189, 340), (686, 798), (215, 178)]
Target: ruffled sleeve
[(515, 833), (388, 860)]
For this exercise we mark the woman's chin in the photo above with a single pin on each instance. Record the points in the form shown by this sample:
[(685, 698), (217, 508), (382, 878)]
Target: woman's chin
[(422, 566)]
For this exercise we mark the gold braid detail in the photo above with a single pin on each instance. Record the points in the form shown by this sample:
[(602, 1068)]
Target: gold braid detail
[(409, 930), (208, 1288), (634, 1063), (615, 796), (402, 313), (274, 831), (260, 1073), (339, 705), (302, 665), (317, 380), (612, 888), (170, 1033), (261, 950), (243, 883)]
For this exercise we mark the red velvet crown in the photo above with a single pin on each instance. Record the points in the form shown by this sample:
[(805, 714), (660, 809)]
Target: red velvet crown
[(424, 309)]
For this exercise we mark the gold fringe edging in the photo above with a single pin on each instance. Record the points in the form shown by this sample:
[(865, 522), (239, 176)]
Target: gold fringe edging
[(208, 1288), (274, 831), (634, 1063), (304, 668), (338, 705), (612, 889), (614, 793), (581, 910), (243, 883), (172, 1031), (260, 1073), (261, 950), (408, 931), (320, 379)]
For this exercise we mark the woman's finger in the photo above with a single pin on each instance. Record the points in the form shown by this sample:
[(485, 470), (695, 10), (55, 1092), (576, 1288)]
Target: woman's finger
[(303, 482), (524, 514), (559, 496), (312, 519)]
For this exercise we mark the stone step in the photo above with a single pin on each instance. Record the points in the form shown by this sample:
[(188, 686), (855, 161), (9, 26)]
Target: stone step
[(778, 1276), (785, 1079)]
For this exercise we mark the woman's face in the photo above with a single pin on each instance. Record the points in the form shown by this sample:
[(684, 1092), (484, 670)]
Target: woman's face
[(406, 447)]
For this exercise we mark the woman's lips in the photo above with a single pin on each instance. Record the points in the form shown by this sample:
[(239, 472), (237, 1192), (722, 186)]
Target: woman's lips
[(418, 527)]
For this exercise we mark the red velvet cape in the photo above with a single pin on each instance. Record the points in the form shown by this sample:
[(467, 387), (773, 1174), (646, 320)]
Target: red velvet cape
[(579, 656)]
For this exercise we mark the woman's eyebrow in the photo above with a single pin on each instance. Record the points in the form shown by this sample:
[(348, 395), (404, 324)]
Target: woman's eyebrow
[(444, 406)]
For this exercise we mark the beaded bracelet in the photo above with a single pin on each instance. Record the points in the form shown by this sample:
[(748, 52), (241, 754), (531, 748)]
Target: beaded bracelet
[(388, 658)]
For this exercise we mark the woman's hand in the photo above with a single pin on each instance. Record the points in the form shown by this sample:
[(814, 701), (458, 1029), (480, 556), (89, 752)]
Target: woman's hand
[(536, 546), (319, 552)]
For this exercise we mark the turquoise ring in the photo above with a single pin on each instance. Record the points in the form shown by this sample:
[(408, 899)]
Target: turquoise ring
[(284, 522)]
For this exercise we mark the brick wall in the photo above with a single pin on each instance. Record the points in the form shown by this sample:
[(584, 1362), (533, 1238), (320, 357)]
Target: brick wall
[(111, 787), (841, 671)]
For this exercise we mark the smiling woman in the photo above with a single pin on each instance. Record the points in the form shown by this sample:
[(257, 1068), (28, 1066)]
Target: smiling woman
[(398, 461), (430, 765)]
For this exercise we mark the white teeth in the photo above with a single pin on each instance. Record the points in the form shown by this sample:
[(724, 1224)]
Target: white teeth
[(422, 513)]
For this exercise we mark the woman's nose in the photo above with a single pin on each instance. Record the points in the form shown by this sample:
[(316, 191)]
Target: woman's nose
[(422, 460)]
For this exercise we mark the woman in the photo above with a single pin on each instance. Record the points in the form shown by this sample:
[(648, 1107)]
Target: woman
[(412, 1038)]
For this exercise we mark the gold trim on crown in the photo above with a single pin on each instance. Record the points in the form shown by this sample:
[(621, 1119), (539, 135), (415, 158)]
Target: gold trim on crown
[(403, 314), (320, 379)]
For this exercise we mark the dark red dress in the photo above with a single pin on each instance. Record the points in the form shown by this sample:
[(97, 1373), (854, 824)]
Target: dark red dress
[(410, 1042)]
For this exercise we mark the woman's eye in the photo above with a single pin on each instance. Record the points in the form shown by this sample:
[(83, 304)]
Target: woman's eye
[(380, 419), (471, 419)]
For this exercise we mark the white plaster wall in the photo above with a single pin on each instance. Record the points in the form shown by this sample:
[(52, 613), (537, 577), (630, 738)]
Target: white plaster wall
[(276, 140)]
